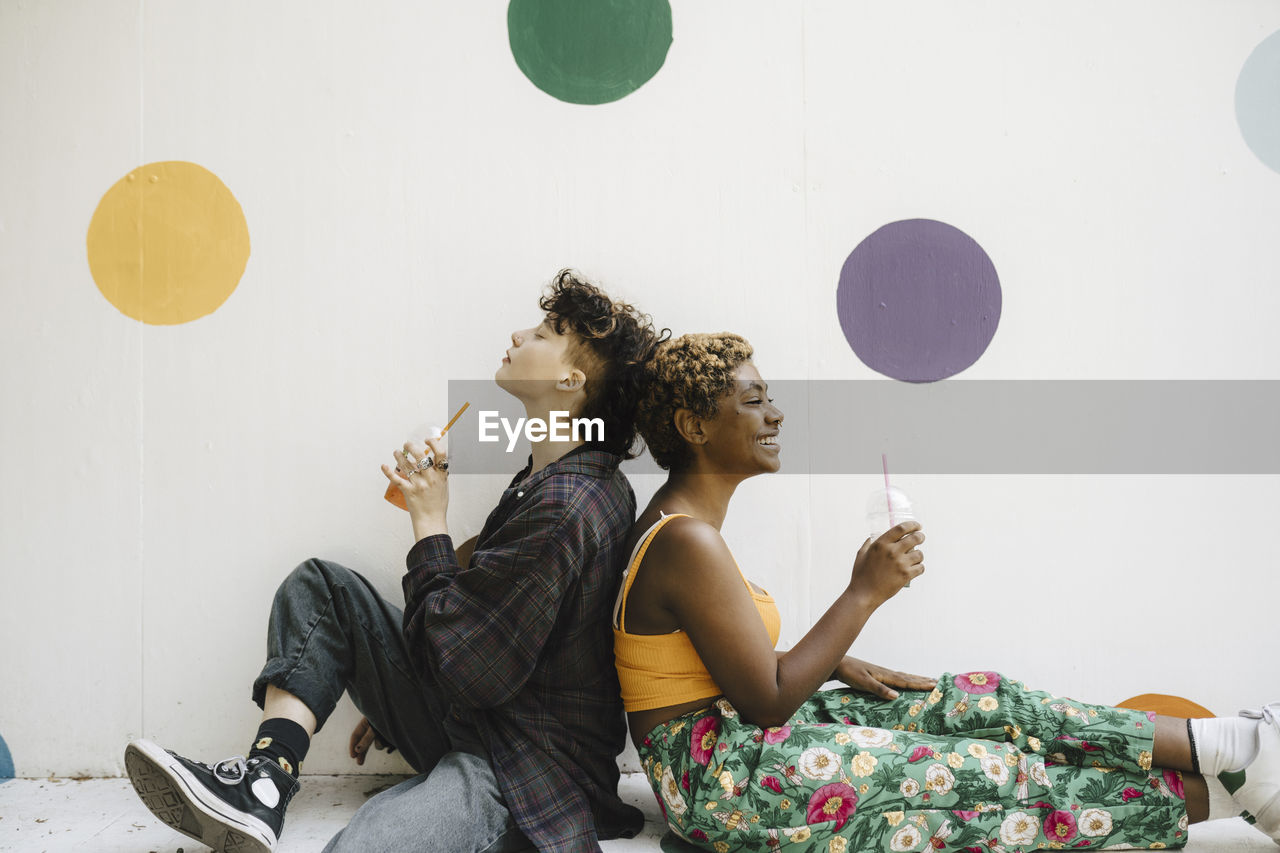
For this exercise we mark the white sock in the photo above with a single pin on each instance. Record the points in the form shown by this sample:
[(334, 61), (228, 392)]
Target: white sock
[(1220, 803), (1224, 744), (1259, 783)]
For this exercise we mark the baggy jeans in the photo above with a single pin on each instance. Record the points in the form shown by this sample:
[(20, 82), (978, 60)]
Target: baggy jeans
[(329, 632)]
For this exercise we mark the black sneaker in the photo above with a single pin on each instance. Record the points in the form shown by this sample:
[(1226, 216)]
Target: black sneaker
[(234, 806)]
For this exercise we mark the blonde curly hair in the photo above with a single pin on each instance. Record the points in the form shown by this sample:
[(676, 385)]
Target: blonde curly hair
[(692, 372)]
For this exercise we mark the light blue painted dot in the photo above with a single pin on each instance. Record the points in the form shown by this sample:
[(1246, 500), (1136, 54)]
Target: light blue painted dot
[(1258, 101), (6, 762)]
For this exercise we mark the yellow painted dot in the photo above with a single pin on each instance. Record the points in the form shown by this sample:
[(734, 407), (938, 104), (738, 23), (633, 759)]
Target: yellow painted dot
[(169, 249)]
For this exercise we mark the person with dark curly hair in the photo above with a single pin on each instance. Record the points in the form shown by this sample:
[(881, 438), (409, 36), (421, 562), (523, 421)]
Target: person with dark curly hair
[(496, 679), (745, 752)]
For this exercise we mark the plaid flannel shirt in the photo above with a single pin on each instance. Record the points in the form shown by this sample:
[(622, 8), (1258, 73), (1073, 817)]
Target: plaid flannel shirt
[(519, 643)]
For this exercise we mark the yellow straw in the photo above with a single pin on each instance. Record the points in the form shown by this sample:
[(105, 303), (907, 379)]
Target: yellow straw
[(454, 419)]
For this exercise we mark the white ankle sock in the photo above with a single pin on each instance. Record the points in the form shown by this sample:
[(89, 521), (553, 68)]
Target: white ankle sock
[(1224, 744), (1220, 803), (1256, 789)]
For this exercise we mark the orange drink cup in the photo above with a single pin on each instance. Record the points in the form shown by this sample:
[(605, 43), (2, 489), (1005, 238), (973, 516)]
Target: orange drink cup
[(393, 493)]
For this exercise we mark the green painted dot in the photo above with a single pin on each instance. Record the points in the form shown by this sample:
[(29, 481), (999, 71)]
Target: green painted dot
[(589, 51)]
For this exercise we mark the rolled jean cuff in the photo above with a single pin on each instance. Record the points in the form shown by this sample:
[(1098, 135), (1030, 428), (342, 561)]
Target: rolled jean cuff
[(283, 673)]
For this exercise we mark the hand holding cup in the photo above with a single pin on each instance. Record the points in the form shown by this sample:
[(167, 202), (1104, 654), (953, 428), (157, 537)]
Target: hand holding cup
[(888, 563)]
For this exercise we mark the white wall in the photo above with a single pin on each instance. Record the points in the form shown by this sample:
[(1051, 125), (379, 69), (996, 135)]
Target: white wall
[(407, 191)]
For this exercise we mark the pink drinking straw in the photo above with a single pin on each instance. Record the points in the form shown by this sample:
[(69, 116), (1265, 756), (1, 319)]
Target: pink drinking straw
[(888, 501)]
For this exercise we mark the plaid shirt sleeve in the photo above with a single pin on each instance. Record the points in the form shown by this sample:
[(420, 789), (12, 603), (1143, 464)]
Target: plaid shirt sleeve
[(478, 632)]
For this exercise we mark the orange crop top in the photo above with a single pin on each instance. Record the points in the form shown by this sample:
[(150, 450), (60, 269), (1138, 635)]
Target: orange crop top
[(657, 670)]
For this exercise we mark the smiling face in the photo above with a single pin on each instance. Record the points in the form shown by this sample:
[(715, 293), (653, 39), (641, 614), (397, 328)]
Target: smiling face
[(537, 365), (743, 437)]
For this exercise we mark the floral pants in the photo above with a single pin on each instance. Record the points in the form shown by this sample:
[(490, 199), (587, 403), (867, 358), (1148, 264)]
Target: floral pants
[(982, 764)]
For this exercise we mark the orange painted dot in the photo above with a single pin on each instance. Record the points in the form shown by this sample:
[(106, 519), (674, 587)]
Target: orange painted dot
[(168, 243), (1171, 706)]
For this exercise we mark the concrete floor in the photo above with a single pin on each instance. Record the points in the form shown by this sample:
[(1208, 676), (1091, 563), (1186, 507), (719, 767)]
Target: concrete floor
[(105, 816)]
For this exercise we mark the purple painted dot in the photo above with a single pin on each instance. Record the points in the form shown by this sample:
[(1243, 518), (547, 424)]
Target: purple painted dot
[(918, 300)]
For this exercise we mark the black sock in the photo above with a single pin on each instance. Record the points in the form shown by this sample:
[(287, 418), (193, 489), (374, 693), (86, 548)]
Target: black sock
[(284, 742)]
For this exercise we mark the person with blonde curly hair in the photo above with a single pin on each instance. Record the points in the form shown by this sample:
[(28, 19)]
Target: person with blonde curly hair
[(745, 752)]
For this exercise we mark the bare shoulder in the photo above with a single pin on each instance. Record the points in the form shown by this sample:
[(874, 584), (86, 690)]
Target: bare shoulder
[(686, 554), (687, 546)]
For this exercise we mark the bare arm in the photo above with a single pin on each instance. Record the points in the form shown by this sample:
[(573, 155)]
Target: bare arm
[(700, 586), (879, 681)]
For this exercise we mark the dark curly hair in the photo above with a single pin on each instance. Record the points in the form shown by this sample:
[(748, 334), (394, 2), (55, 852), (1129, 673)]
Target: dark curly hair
[(692, 372), (615, 341)]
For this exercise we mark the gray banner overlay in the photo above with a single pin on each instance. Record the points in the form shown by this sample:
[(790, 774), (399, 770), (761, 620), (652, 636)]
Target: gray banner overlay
[(969, 427)]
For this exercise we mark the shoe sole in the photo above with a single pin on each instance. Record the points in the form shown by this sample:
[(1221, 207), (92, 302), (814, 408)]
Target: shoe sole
[(179, 800)]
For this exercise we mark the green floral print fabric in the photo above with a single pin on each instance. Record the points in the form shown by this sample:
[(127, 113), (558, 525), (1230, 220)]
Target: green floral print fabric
[(982, 764)]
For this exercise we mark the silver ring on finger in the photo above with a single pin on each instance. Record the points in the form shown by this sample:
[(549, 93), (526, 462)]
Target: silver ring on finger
[(426, 463)]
